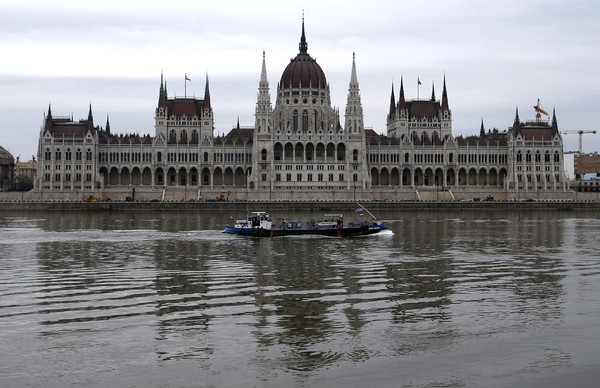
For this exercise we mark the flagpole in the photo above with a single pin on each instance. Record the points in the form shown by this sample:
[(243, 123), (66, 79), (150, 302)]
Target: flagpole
[(184, 85)]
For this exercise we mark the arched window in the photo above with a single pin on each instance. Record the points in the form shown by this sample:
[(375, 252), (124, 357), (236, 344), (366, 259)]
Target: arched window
[(263, 155), (295, 124), (305, 120)]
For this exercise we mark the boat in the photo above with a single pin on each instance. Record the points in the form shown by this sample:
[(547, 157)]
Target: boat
[(260, 224)]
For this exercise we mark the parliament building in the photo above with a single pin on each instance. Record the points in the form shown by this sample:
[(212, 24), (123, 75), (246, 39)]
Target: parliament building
[(301, 149)]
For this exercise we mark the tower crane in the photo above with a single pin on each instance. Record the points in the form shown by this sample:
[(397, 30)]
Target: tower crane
[(580, 133), (539, 111), (579, 157)]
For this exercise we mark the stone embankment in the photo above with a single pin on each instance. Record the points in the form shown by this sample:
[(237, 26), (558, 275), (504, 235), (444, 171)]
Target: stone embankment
[(321, 206)]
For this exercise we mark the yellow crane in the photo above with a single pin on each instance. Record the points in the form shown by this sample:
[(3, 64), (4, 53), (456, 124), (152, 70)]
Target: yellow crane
[(539, 111)]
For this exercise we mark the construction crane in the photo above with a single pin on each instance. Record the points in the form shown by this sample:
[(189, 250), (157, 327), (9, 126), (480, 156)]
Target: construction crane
[(579, 171), (539, 111), (580, 133)]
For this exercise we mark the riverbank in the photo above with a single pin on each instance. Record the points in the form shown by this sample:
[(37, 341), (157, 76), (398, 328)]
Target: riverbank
[(322, 206)]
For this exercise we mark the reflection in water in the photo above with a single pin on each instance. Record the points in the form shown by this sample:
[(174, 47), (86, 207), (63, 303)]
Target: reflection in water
[(287, 309)]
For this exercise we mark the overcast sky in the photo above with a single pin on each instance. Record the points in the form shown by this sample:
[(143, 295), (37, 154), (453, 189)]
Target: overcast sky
[(496, 56)]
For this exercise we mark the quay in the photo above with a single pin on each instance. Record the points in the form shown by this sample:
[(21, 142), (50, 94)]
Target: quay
[(320, 206)]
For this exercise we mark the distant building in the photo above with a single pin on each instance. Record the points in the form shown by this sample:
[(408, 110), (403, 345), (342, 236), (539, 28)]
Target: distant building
[(301, 149), (25, 173), (7, 170)]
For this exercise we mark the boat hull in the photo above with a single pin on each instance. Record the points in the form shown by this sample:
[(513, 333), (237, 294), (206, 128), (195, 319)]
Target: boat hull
[(352, 231)]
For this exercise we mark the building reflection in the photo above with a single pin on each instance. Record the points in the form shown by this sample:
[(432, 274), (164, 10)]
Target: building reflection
[(304, 304)]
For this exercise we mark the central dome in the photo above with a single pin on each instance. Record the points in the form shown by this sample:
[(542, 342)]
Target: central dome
[(303, 71)]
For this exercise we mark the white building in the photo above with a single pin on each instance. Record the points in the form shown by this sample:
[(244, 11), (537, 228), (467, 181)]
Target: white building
[(301, 149)]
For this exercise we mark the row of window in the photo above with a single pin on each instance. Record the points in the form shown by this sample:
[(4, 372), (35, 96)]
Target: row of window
[(319, 167), (66, 167), (124, 157), (539, 168), (68, 177), (309, 177), (538, 157), (68, 154)]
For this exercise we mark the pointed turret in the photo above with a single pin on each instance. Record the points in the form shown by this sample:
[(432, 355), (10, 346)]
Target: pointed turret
[(432, 92), (262, 121), (554, 122), (162, 93), (48, 119), (482, 129), (445, 105), (392, 103), (517, 123), (354, 110), (90, 119), (401, 100), (207, 94), (303, 44), (107, 125), (353, 77), (263, 73)]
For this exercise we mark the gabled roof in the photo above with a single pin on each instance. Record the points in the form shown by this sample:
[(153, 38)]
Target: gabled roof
[(421, 108), (188, 107)]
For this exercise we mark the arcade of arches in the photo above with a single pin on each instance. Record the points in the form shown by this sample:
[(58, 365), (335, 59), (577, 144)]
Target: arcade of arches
[(437, 177), (175, 177)]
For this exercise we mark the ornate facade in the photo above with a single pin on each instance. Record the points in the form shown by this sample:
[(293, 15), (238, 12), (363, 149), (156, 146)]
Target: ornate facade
[(299, 150)]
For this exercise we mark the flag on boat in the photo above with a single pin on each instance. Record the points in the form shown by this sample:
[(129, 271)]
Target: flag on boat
[(359, 210)]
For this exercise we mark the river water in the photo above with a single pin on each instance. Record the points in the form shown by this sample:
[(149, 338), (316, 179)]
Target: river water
[(157, 299)]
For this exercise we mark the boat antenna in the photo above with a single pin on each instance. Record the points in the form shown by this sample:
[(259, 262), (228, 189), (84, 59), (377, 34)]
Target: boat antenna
[(365, 209)]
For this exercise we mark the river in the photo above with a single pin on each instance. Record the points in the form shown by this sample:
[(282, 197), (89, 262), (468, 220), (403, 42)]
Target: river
[(157, 299)]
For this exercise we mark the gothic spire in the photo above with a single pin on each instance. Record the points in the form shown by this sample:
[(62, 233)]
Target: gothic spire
[(263, 73), (445, 105), (517, 122), (354, 110), (401, 101), (90, 119), (206, 94), (353, 78), (432, 92), (554, 122), (303, 43), (392, 102), (482, 129), (162, 94), (107, 125), (49, 115)]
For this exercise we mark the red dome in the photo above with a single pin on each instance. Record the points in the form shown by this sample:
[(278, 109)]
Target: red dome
[(303, 71)]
